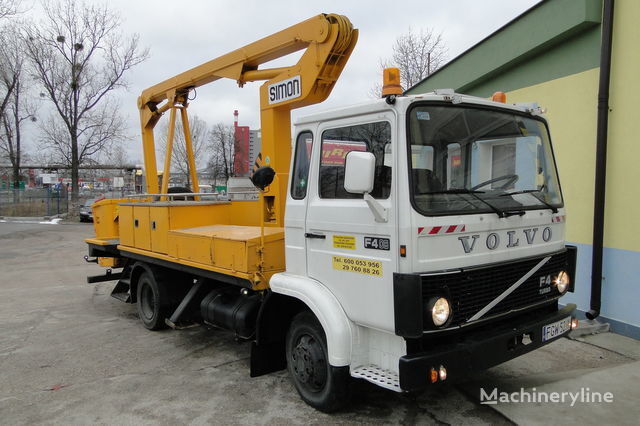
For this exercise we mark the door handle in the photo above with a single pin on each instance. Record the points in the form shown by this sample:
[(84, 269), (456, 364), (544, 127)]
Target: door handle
[(318, 236)]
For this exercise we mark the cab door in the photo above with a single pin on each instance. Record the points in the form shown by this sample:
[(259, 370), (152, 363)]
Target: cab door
[(295, 214), (348, 251)]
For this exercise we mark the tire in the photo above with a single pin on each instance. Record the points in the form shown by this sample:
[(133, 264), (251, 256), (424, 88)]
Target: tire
[(322, 386), (153, 302)]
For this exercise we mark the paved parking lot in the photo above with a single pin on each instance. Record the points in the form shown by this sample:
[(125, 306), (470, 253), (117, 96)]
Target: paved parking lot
[(69, 353)]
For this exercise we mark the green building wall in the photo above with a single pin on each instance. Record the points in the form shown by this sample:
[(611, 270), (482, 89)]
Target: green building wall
[(551, 55)]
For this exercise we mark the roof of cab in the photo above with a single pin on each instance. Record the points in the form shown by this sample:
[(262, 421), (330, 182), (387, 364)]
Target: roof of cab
[(402, 102)]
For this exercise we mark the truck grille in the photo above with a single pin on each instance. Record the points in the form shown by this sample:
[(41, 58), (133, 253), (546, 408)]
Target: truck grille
[(470, 290)]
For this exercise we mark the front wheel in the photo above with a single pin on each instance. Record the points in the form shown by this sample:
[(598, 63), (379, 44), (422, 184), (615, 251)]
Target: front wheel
[(320, 384)]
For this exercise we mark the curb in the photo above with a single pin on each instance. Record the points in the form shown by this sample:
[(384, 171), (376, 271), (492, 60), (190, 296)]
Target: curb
[(33, 219), (588, 327)]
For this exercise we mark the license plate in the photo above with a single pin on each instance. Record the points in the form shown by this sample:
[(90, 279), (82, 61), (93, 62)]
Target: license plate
[(555, 329)]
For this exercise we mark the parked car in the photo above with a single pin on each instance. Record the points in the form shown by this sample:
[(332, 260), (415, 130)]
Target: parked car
[(86, 214)]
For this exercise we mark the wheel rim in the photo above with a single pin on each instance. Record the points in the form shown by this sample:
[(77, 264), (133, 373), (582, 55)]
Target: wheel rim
[(309, 363), (147, 301)]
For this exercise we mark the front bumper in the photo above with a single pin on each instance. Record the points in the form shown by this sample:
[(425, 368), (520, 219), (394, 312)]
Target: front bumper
[(479, 350)]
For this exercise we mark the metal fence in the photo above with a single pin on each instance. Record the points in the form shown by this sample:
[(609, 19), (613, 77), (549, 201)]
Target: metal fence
[(34, 202)]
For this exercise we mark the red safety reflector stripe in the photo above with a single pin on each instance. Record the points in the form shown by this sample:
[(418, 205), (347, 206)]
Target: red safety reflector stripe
[(438, 230)]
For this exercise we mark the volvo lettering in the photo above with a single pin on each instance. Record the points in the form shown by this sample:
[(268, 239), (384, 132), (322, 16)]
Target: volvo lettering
[(510, 238)]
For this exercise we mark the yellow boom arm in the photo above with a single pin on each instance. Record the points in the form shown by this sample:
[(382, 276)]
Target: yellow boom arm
[(328, 41)]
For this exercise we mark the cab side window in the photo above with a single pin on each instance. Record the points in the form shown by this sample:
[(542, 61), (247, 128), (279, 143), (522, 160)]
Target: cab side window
[(337, 143), (302, 159)]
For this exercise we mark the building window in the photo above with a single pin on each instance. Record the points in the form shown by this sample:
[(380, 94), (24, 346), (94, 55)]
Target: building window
[(503, 163), (337, 143), (301, 162)]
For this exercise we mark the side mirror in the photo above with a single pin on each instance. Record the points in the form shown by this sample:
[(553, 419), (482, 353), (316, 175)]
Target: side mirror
[(359, 172)]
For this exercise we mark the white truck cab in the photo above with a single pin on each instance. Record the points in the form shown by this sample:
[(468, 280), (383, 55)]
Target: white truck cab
[(426, 234)]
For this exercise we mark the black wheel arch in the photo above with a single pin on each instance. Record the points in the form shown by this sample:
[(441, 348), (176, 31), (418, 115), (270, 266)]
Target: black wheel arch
[(137, 269), (275, 315), (180, 282)]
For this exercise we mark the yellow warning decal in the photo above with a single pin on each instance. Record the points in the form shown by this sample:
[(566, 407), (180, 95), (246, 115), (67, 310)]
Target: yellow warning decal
[(359, 266), (344, 242)]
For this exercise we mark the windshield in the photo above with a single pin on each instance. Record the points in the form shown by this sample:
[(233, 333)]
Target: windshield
[(470, 160)]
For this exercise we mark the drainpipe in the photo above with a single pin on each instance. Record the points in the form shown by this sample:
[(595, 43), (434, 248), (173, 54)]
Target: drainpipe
[(601, 159)]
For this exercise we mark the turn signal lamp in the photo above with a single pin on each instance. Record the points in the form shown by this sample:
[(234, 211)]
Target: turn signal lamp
[(574, 323), (499, 97), (391, 82), (433, 375)]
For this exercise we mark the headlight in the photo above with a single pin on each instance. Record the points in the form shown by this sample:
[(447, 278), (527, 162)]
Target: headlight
[(562, 282), (440, 310)]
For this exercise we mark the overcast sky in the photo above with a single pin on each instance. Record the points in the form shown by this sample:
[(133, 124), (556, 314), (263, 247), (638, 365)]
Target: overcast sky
[(184, 34)]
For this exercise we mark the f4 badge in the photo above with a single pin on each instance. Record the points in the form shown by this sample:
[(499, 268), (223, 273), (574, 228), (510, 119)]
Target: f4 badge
[(377, 243)]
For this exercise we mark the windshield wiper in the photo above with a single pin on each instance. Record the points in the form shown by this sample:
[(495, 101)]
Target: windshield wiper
[(473, 192), (456, 191), (532, 193), (523, 191)]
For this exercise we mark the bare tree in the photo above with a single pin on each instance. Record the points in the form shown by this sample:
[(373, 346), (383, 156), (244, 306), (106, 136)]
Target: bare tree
[(11, 62), (222, 145), (17, 112), (100, 129), (118, 156), (179, 158), (417, 55), (15, 108), (80, 56), (10, 8)]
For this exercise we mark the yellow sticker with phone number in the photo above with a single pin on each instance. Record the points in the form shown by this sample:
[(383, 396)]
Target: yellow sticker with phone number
[(359, 266)]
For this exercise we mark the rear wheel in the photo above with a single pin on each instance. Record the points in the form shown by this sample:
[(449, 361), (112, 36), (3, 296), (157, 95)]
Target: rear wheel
[(320, 385), (153, 302)]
